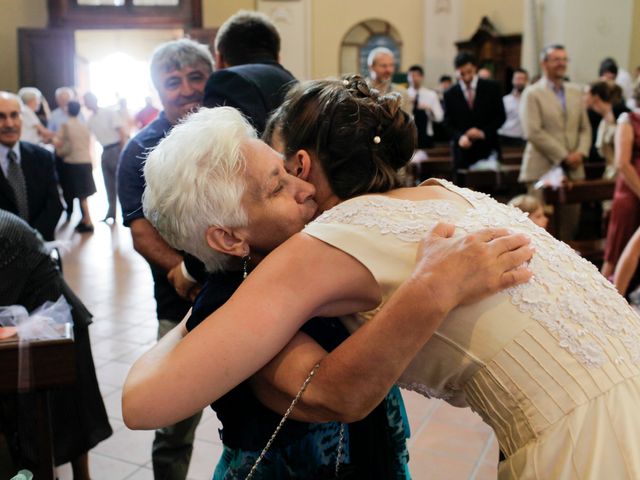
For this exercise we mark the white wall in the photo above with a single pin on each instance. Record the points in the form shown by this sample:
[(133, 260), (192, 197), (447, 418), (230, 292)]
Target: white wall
[(293, 20), (449, 21), (440, 32), (590, 30)]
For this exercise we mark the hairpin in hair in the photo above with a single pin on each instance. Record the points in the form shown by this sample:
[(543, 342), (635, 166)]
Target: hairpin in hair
[(376, 139), (345, 82)]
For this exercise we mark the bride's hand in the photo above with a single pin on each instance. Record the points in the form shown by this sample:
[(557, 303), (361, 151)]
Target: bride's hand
[(474, 266)]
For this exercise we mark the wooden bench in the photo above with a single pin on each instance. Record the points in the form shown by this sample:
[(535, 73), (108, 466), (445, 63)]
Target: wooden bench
[(513, 148), (594, 170), (581, 191), (511, 158), (49, 364), (422, 168), (502, 183), (438, 151)]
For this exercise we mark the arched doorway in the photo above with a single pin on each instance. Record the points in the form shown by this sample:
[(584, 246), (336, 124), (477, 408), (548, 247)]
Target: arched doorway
[(364, 37)]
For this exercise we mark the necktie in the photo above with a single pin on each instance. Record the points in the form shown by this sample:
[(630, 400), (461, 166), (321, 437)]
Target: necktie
[(561, 98), (15, 177), (470, 97)]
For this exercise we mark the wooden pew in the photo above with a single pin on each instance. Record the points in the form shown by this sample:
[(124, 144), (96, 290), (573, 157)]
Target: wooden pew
[(512, 148), (513, 157), (580, 191), (438, 151), (502, 184), (424, 165), (594, 170)]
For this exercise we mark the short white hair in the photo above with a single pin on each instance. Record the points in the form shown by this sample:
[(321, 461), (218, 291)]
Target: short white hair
[(27, 94), (62, 90), (376, 52), (195, 179)]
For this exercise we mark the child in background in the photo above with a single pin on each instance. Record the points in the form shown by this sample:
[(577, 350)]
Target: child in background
[(530, 204)]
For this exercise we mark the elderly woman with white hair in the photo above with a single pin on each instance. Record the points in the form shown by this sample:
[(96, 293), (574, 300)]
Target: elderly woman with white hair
[(552, 365), (33, 130), (375, 445)]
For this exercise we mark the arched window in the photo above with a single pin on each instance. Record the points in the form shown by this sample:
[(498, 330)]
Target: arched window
[(363, 38)]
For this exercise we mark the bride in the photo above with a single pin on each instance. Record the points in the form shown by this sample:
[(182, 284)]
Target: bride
[(550, 365)]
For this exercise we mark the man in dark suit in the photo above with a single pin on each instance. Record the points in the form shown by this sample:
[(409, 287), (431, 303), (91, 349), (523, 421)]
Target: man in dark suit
[(473, 113), (249, 76), (28, 185)]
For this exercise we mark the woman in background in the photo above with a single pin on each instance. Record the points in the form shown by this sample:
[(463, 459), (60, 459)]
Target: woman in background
[(29, 277), (625, 209), (73, 144)]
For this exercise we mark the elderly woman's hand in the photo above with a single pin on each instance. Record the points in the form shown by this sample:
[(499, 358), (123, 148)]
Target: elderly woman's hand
[(474, 266), (184, 286)]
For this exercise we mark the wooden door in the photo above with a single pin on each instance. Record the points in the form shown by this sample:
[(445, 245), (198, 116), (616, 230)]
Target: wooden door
[(47, 59)]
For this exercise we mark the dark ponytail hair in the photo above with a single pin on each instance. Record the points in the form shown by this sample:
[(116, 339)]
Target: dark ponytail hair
[(360, 137)]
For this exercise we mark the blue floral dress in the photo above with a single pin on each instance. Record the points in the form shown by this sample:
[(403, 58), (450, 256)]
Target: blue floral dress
[(374, 447)]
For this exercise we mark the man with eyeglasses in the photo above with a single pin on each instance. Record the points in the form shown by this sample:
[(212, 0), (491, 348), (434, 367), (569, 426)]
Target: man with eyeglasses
[(555, 123)]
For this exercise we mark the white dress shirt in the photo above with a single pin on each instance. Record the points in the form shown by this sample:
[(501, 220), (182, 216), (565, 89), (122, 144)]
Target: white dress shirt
[(104, 124), (30, 122), (427, 100), (512, 126)]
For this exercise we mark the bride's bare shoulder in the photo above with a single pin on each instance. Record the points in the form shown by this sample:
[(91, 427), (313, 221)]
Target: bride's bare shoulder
[(431, 190)]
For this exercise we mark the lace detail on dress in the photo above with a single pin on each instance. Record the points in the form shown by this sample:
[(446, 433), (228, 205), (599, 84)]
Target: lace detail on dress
[(404, 219), (559, 296), (427, 391)]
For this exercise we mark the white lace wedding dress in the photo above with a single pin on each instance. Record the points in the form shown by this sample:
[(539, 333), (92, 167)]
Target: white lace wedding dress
[(552, 366)]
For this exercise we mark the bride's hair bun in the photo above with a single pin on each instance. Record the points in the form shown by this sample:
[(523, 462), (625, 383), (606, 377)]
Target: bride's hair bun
[(361, 137), (358, 87)]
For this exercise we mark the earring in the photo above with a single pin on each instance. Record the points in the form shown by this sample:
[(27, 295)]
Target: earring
[(245, 265)]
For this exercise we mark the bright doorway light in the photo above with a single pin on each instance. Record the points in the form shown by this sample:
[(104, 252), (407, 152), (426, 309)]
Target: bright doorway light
[(120, 76)]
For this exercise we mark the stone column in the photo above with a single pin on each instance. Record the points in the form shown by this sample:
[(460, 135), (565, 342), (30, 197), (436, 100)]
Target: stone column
[(531, 44), (440, 34)]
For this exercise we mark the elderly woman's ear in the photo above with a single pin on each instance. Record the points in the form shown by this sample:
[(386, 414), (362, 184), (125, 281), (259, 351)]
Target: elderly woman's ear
[(230, 241)]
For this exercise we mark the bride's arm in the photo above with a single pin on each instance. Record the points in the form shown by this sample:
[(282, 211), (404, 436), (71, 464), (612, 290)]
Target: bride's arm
[(357, 375)]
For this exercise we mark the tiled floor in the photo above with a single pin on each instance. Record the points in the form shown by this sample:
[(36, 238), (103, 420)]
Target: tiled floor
[(115, 284)]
